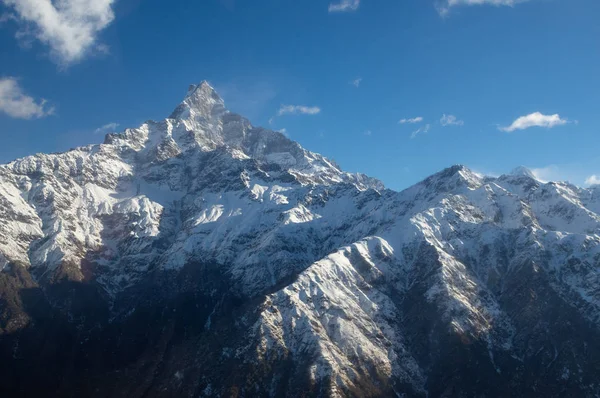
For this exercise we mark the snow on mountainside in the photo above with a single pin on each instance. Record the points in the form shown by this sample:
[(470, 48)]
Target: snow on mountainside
[(170, 181), (484, 234), (350, 289)]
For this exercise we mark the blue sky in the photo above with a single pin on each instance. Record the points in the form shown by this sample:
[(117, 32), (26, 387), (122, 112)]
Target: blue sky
[(517, 81)]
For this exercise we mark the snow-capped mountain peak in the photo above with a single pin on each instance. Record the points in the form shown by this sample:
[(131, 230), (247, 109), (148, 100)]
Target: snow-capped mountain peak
[(523, 171), (145, 173), (260, 259), (201, 101)]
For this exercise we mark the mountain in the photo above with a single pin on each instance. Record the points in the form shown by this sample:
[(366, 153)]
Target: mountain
[(203, 256)]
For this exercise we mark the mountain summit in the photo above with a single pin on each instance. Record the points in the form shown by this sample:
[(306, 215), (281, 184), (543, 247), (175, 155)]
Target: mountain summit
[(201, 101), (203, 256), (523, 171)]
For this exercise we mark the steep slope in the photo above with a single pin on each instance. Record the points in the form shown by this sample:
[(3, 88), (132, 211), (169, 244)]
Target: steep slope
[(203, 256), (472, 288), (191, 185)]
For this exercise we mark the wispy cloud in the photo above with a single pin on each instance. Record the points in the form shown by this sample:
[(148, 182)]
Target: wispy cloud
[(356, 82), (15, 103), (577, 173), (413, 120), (107, 128), (535, 119), (344, 6), (368, 132), (573, 173), (444, 6), (593, 180), (69, 27), (420, 130), (450, 120), (548, 173), (298, 110), (8, 17)]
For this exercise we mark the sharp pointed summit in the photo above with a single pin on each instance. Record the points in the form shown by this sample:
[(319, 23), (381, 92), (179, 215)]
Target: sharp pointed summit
[(523, 171), (201, 101), (203, 245)]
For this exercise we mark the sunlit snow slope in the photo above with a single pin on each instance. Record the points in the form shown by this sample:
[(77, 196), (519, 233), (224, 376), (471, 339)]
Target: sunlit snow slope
[(203, 256)]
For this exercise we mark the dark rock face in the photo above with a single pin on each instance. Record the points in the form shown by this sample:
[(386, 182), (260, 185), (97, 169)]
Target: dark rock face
[(202, 256), (187, 334)]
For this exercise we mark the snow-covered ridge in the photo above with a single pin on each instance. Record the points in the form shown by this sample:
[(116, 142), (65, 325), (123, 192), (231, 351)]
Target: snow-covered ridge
[(454, 242), (346, 265), (205, 177), (90, 202)]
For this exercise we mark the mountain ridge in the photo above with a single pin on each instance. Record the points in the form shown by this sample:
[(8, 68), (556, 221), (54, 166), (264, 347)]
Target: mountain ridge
[(202, 256)]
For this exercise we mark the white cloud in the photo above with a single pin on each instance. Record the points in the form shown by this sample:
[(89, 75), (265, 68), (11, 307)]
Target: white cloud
[(535, 119), (107, 128), (593, 180), (575, 173), (424, 129), (69, 27), (444, 6), (548, 173), (450, 120), (15, 103), (344, 6), (553, 172), (417, 119), (282, 131), (356, 82), (368, 132), (298, 109)]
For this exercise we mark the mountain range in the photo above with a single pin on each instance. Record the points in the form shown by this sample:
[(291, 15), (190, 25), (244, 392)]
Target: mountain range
[(203, 256)]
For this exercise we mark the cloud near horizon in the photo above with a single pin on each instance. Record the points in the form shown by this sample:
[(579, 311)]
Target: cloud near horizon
[(69, 27), (574, 173), (535, 119), (107, 128), (593, 180), (298, 110), (15, 103)]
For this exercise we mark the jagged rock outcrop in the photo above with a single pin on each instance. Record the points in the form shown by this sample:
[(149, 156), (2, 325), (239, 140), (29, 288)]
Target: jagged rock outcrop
[(203, 256)]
